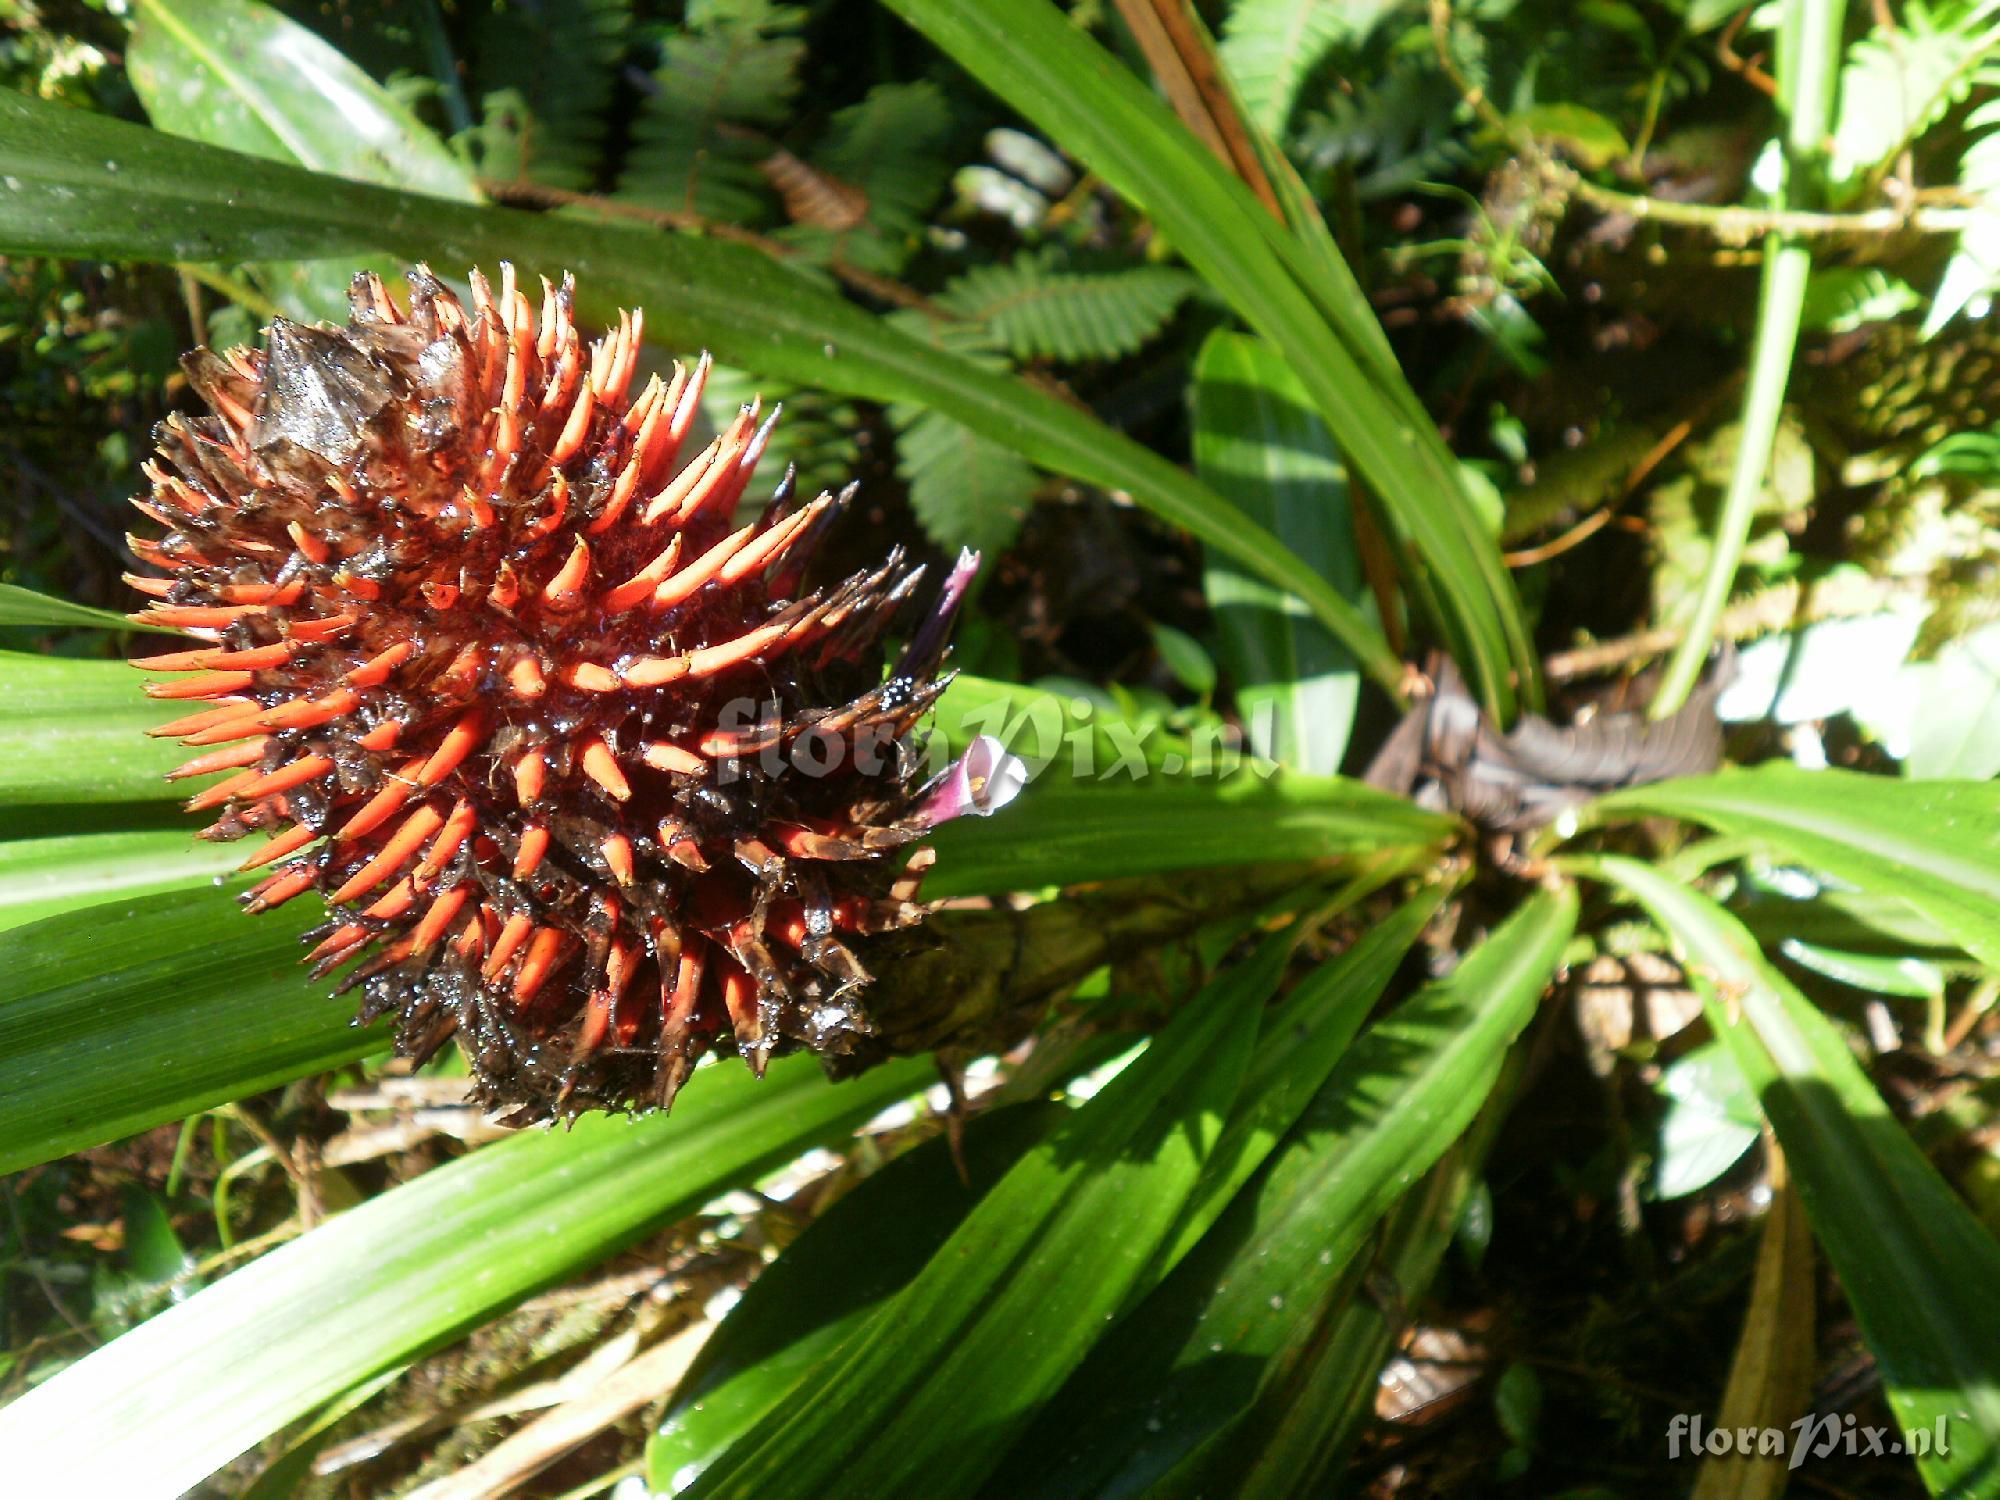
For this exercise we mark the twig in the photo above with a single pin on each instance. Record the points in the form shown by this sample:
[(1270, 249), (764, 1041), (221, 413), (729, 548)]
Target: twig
[(1739, 226), (1654, 456), (197, 318), (82, 1330), (302, 1183), (1749, 69), (1729, 223), (1785, 606)]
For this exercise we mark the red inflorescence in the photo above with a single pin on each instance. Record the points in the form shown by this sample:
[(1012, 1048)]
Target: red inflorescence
[(582, 772)]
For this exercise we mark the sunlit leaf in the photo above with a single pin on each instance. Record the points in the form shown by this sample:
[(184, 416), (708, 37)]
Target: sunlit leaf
[(412, 1266), (830, 1279), (1933, 844), (1914, 1262), (923, 1397), (40, 877), (1258, 442), (1030, 54), (137, 1011), (1192, 1358), (238, 74), (165, 199)]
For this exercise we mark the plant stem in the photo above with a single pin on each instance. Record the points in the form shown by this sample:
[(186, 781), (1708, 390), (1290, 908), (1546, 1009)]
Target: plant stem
[(1734, 225), (1808, 65), (233, 287)]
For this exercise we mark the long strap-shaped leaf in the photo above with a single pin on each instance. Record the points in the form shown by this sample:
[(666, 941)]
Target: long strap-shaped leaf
[(1918, 1268), (1065, 831), (79, 184), (1259, 442), (808, 1302), (923, 1398), (1193, 1357), (45, 877), (74, 732), (1934, 844), (137, 1011), (157, 1410), (846, 1262), (1032, 56)]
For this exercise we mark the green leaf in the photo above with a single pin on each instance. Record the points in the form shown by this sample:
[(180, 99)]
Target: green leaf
[(407, 1270), (1895, 83), (74, 731), (1711, 1120), (1840, 299), (154, 1254), (1910, 978), (1955, 726), (940, 1380), (1834, 916), (134, 1012), (1184, 656), (172, 200), (1270, 48), (1259, 443), (1237, 1312), (549, 69), (238, 74), (1294, 1441), (1304, 303), (732, 66), (1929, 843), (1974, 268), (802, 1307), (1303, 1039), (1036, 311), (1064, 831), (1916, 1265), (967, 491), (1585, 134), (41, 877), (19, 606)]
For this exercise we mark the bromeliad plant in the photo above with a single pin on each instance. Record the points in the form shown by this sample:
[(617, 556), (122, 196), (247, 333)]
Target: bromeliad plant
[(1174, 1287)]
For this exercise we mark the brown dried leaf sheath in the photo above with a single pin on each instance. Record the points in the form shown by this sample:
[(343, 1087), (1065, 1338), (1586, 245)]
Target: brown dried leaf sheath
[(496, 669)]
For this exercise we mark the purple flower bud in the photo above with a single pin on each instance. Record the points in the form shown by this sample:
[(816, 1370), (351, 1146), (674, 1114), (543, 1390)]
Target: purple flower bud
[(978, 784)]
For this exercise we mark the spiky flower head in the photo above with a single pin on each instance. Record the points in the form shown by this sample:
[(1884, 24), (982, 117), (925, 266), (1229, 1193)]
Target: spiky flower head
[(582, 771)]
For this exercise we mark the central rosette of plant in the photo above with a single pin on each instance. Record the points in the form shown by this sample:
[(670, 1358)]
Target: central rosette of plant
[(583, 771)]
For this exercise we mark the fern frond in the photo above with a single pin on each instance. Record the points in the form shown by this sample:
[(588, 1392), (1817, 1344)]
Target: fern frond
[(890, 149), (723, 79), (545, 71), (1394, 132), (1037, 312), (1271, 46), (1894, 85), (1974, 268), (966, 490)]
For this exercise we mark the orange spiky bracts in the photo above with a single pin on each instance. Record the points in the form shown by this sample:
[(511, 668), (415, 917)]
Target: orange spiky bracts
[(583, 773)]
